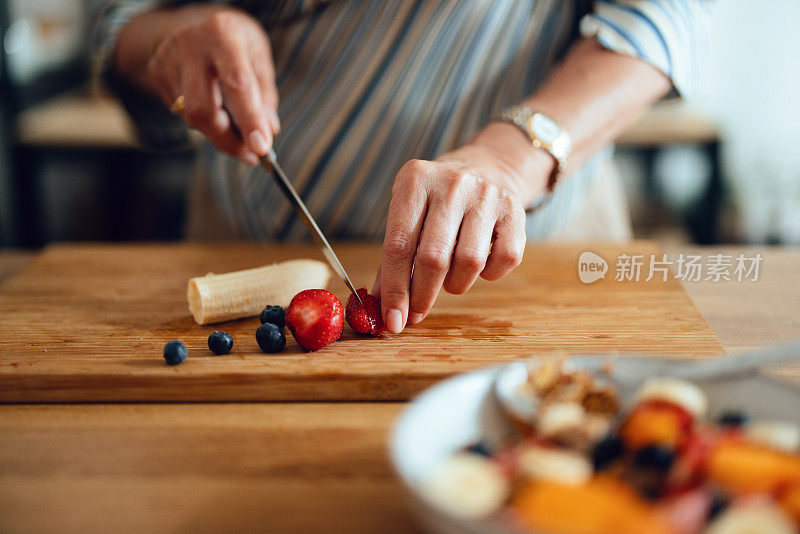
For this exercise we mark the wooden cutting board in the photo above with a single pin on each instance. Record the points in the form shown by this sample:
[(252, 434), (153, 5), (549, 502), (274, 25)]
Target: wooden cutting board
[(88, 323)]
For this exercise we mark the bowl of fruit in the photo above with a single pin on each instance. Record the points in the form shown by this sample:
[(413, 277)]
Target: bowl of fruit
[(566, 447)]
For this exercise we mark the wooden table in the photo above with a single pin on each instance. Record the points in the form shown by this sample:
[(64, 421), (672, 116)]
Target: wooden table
[(283, 467)]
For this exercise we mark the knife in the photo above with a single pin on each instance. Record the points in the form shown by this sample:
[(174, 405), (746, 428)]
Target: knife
[(270, 164)]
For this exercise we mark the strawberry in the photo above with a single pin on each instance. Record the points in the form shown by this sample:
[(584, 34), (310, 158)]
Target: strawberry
[(686, 512), (315, 318), (365, 318), (690, 465)]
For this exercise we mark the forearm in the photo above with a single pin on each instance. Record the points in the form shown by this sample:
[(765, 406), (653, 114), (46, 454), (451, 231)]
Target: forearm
[(136, 43), (595, 94)]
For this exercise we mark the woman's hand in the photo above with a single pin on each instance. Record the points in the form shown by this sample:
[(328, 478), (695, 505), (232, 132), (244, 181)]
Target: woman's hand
[(456, 218), (220, 60)]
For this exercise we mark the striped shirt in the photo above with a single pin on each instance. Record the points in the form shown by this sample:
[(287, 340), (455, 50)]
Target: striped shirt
[(367, 85)]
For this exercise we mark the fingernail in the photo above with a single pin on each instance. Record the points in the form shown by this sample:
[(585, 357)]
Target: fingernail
[(258, 143), (276, 121), (414, 318), (394, 321), (250, 158)]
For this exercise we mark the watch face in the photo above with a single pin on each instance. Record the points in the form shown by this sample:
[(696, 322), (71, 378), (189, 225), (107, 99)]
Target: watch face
[(561, 147), (544, 128)]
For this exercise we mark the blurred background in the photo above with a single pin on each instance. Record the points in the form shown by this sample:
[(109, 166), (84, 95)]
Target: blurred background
[(721, 168)]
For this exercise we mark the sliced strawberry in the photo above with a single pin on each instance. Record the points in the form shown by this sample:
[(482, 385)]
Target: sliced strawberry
[(365, 318), (686, 512), (316, 318), (507, 461), (690, 465)]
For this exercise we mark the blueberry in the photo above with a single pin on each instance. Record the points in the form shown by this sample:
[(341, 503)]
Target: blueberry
[(654, 458), (649, 469), (733, 419), (175, 352), (220, 342), (480, 448), (651, 492), (275, 315), (270, 338), (718, 504), (607, 451)]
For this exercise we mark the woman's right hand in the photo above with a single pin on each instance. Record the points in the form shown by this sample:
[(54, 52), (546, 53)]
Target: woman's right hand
[(220, 60)]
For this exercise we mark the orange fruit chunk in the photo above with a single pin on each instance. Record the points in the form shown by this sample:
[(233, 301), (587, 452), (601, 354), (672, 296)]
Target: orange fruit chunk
[(655, 423), (749, 468), (602, 505), (790, 502)]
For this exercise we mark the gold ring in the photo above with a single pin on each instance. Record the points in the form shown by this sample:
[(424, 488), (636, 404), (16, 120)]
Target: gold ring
[(178, 106)]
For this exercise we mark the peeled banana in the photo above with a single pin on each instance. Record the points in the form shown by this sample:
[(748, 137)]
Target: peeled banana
[(222, 297), (467, 485)]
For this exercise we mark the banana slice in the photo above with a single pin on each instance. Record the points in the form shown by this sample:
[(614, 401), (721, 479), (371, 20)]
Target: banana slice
[(752, 519), (780, 435), (685, 394), (467, 485), (222, 297), (559, 418), (557, 465)]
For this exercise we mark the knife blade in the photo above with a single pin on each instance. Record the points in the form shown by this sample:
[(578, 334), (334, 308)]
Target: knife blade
[(270, 164)]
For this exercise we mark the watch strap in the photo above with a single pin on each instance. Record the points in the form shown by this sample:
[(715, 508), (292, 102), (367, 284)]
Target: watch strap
[(520, 117)]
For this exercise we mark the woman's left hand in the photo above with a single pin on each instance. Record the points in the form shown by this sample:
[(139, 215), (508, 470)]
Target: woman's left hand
[(456, 218)]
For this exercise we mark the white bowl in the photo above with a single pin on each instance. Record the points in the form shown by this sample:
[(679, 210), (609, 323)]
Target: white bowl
[(463, 410)]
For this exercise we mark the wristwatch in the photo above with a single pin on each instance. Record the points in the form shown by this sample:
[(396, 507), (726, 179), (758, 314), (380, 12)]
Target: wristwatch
[(544, 133)]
